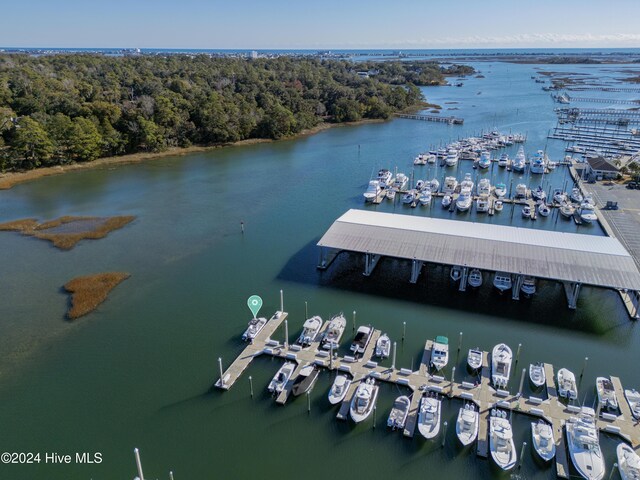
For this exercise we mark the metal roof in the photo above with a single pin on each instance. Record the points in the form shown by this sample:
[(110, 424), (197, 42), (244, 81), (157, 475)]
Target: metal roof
[(572, 257)]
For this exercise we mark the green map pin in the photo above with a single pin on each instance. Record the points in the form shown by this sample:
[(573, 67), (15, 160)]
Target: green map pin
[(255, 304)]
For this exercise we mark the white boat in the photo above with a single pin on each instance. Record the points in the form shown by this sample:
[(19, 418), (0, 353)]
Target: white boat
[(450, 185), (576, 195), (544, 210), (567, 210), (536, 374), (429, 417), (334, 332), (502, 281), (628, 462), (409, 197), (425, 197), (305, 380), (633, 399), (456, 273), (434, 185), (467, 424), (606, 393), (498, 205), (362, 338), (559, 196), (567, 384), (539, 194), (385, 177), (521, 190), (373, 190), (281, 378), (399, 412), (363, 400), (400, 181), (310, 330), (528, 286), (339, 388), (484, 187), (474, 358), (543, 441), (452, 158), (383, 346), (253, 328), (501, 357), (446, 201), (589, 199), (526, 211), (551, 165), (421, 159), (463, 203), (466, 183), (503, 450), (584, 445), (475, 278), (431, 158), (503, 161), (485, 159), (519, 161), (500, 190), (538, 163), (419, 185), (587, 212), (440, 352), (391, 194), (441, 152)]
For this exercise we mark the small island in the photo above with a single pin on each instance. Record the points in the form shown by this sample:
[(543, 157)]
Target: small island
[(90, 291)]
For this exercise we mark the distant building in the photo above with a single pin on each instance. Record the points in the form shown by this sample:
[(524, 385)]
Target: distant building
[(254, 54), (599, 168)]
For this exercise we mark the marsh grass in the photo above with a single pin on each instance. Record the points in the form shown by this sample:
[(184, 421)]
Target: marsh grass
[(89, 291)]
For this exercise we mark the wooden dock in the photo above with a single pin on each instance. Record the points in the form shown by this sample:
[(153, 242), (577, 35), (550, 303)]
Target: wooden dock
[(432, 118)]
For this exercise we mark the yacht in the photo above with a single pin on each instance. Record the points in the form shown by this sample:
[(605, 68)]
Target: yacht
[(526, 211), (567, 210), (543, 441), (503, 161), (537, 375), (503, 450), (500, 190), (363, 400), (501, 357), (362, 338), (567, 384), (339, 388), (606, 393), (475, 278), (391, 194), (401, 181), (628, 462), (383, 346), (399, 412), (498, 205), (305, 380), (502, 281), (467, 183), (559, 196), (633, 399), (431, 158), (434, 185), (281, 378), (452, 158), (538, 163), (467, 424), (429, 417), (587, 213), (441, 153), (528, 286), (539, 194), (425, 197), (584, 445), (521, 190), (474, 358), (385, 177), (310, 330), (421, 159), (484, 186), (485, 159), (450, 185), (456, 273), (463, 203), (333, 334), (419, 185), (409, 197), (576, 195), (440, 352), (373, 191), (446, 201), (544, 210), (254, 327), (519, 161)]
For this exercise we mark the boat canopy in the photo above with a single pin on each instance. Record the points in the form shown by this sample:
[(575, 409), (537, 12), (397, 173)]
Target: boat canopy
[(442, 340)]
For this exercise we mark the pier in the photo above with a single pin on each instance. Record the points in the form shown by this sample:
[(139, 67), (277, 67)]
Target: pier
[(431, 118)]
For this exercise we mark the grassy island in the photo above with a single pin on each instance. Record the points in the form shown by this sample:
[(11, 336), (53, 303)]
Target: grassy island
[(90, 291)]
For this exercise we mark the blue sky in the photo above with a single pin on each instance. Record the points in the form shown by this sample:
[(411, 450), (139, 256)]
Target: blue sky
[(399, 24)]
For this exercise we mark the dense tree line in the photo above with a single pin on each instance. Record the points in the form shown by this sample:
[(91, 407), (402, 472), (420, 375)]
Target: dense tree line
[(70, 108)]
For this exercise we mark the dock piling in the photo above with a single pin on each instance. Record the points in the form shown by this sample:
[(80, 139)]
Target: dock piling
[(444, 434), (251, 385), (404, 329), (524, 372), (170, 475), (393, 363), (453, 376), (584, 366), (374, 416), (460, 342), (281, 301), (354, 321), (221, 374), (286, 334), (242, 227), (306, 311), (518, 353), (615, 467), (308, 402), (136, 452), (524, 445), (331, 356)]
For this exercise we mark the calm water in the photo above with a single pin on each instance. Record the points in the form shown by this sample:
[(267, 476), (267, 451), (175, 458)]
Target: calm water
[(138, 371)]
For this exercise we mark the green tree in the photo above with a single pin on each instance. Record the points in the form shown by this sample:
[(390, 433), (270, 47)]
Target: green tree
[(86, 141), (31, 143)]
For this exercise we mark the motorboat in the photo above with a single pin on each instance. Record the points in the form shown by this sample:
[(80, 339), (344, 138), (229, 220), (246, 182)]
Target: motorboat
[(500, 190), (544, 209), (373, 190), (282, 376), (559, 196), (539, 194), (503, 450), (429, 417), (362, 338), (339, 388), (399, 412), (606, 393), (383, 346), (474, 358), (567, 210), (440, 352), (484, 187), (385, 177), (434, 185), (475, 278), (528, 286), (450, 185), (363, 400), (421, 159), (446, 201), (253, 328), (567, 387), (633, 399), (452, 158), (431, 158), (305, 380), (588, 198), (334, 332), (441, 153), (576, 195), (502, 281), (537, 375), (543, 441), (538, 163), (628, 462), (521, 190), (503, 161), (482, 204), (485, 159), (419, 185), (425, 197), (463, 203), (456, 273), (467, 182), (519, 161), (467, 424), (501, 357), (587, 212), (391, 194), (409, 197), (310, 330), (498, 205), (526, 211), (400, 181), (584, 445), (551, 165)]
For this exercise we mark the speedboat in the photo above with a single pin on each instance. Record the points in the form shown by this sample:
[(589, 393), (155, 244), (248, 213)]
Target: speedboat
[(385, 178), (485, 159), (446, 201), (503, 450), (401, 181), (501, 357), (587, 212), (391, 194), (606, 393), (633, 399), (409, 197), (383, 346), (440, 352), (373, 190), (500, 190), (434, 185), (362, 338), (538, 164), (334, 332), (452, 158), (543, 442), (456, 273), (467, 424), (536, 374), (281, 378), (526, 211), (521, 190), (399, 412), (503, 161), (576, 195), (502, 281), (484, 187), (339, 388), (254, 327), (519, 161), (528, 286), (475, 278), (567, 384), (466, 183), (431, 158), (498, 206), (474, 358), (628, 462), (539, 194), (544, 210), (463, 203), (450, 185), (567, 210), (310, 330), (425, 197), (305, 380), (584, 445), (429, 417), (363, 400)]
